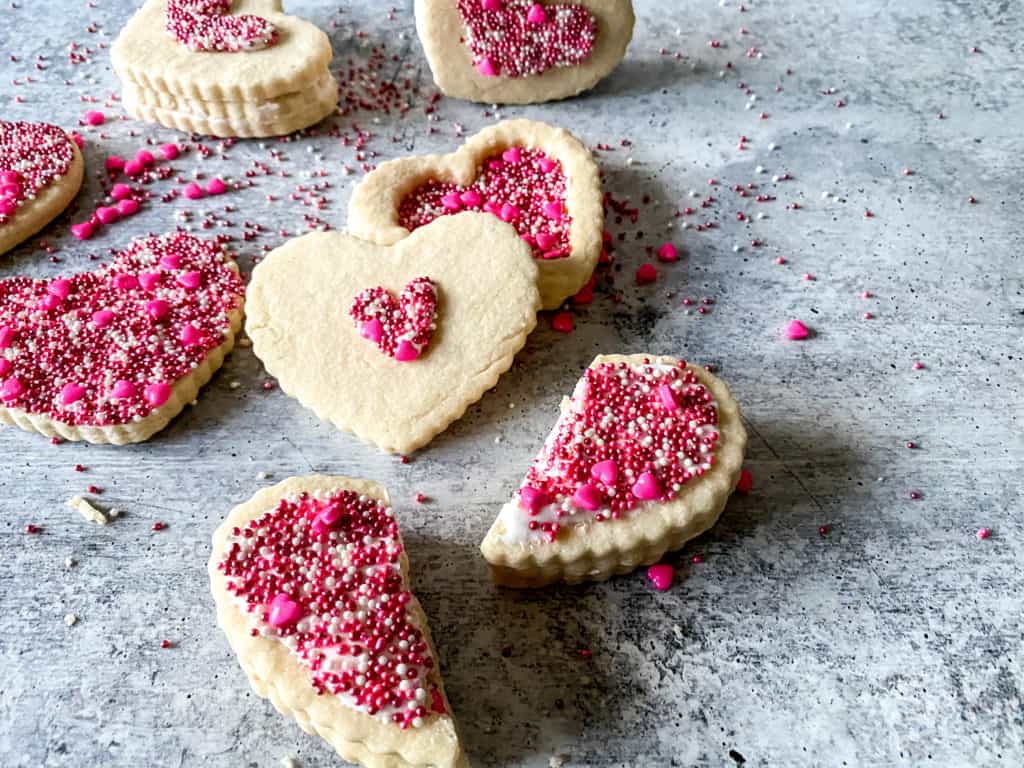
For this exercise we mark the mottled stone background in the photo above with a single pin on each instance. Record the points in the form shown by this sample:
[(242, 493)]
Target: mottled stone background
[(893, 639)]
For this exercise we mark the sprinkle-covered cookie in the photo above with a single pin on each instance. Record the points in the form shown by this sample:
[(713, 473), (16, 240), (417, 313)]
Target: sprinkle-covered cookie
[(522, 51), (41, 171), (112, 356), (535, 177), (643, 458), (310, 578)]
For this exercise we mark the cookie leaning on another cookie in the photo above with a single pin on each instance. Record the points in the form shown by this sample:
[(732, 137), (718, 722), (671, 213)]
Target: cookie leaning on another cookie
[(522, 51), (539, 178), (112, 356), (264, 74), (393, 343), (347, 653), (41, 171), (643, 458)]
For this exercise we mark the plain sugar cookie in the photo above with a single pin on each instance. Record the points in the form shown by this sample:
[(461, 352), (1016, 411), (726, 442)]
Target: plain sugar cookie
[(311, 582), (224, 68), (538, 178), (522, 51), (41, 170), (643, 458), (393, 343)]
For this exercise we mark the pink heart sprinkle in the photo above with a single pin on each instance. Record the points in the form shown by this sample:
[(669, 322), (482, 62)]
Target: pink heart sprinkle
[(605, 471), (508, 212), (324, 521), (189, 280), (122, 389), (511, 155), (107, 214), (59, 288), (10, 190), (190, 335), (6, 336), (148, 279), (646, 488), (587, 497), (536, 14), (168, 151), (470, 198), (283, 611), (134, 168), (11, 390), (486, 67), (10, 177), (71, 393), (562, 322), (372, 330), (532, 499), (157, 308), (668, 253), (553, 210), (49, 302), (452, 201), (547, 164), (746, 481), (193, 191), (94, 118), (83, 230), (491, 5), (125, 282), (795, 330), (646, 273), (114, 163), (405, 352), (661, 576), (120, 192), (127, 207), (5, 366), (170, 261), (545, 240), (102, 317), (7, 207), (157, 394), (145, 157), (216, 187), (668, 398)]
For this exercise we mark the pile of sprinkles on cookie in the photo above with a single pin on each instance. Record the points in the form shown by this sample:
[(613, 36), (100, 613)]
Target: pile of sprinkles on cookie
[(378, 330)]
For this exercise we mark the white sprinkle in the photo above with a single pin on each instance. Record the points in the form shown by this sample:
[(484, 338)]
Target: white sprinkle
[(87, 510), (70, 619), (69, 562), (262, 475), (759, 169)]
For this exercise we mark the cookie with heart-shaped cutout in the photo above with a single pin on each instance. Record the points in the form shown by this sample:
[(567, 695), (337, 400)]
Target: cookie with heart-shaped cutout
[(112, 356), (328, 314), (536, 177), (224, 68), (642, 459), (41, 171), (311, 582), (522, 51)]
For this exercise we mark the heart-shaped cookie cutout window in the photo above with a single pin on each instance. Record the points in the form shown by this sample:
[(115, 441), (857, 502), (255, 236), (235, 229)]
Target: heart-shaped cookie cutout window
[(206, 25), (400, 327)]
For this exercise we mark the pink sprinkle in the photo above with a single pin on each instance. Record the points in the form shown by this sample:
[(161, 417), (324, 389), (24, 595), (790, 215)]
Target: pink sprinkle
[(168, 151), (190, 279), (95, 118), (101, 318), (190, 335), (406, 352), (532, 499), (114, 163), (127, 207), (71, 393), (491, 5), (536, 14), (122, 389), (134, 168), (661, 576), (667, 398), (587, 497), (509, 212), (193, 191), (606, 471), (145, 157), (562, 322), (157, 394), (120, 191), (283, 611), (157, 308), (918, 365), (915, 495), (216, 187), (107, 214), (646, 488), (795, 330), (808, 277), (83, 230), (983, 533), (646, 273), (486, 67), (668, 253), (511, 155), (868, 315), (745, 482)]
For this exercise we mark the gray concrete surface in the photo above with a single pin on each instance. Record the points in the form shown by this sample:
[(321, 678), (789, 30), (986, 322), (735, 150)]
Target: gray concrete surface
[(893, 639)]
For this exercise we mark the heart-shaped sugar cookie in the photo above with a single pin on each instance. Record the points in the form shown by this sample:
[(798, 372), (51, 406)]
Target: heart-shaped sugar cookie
[(252, 71), (522, 51), (41, 171), (311, 582), (643, 458), (112, 356), (298, 319), (538, 178)]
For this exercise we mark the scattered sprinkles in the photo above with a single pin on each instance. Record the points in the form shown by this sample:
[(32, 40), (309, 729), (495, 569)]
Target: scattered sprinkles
[(323, 576), (523, 187), (401, 329), (519, 38)]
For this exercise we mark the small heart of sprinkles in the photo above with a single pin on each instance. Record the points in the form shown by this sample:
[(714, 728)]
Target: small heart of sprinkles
[(322, 574), (204, 25), (32, 156), (520, 38), (632, 434), (523, 187), (106, 347), (401, 329)]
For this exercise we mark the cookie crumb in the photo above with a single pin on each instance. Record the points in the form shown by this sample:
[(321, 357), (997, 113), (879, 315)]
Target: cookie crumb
[(87, 510)]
